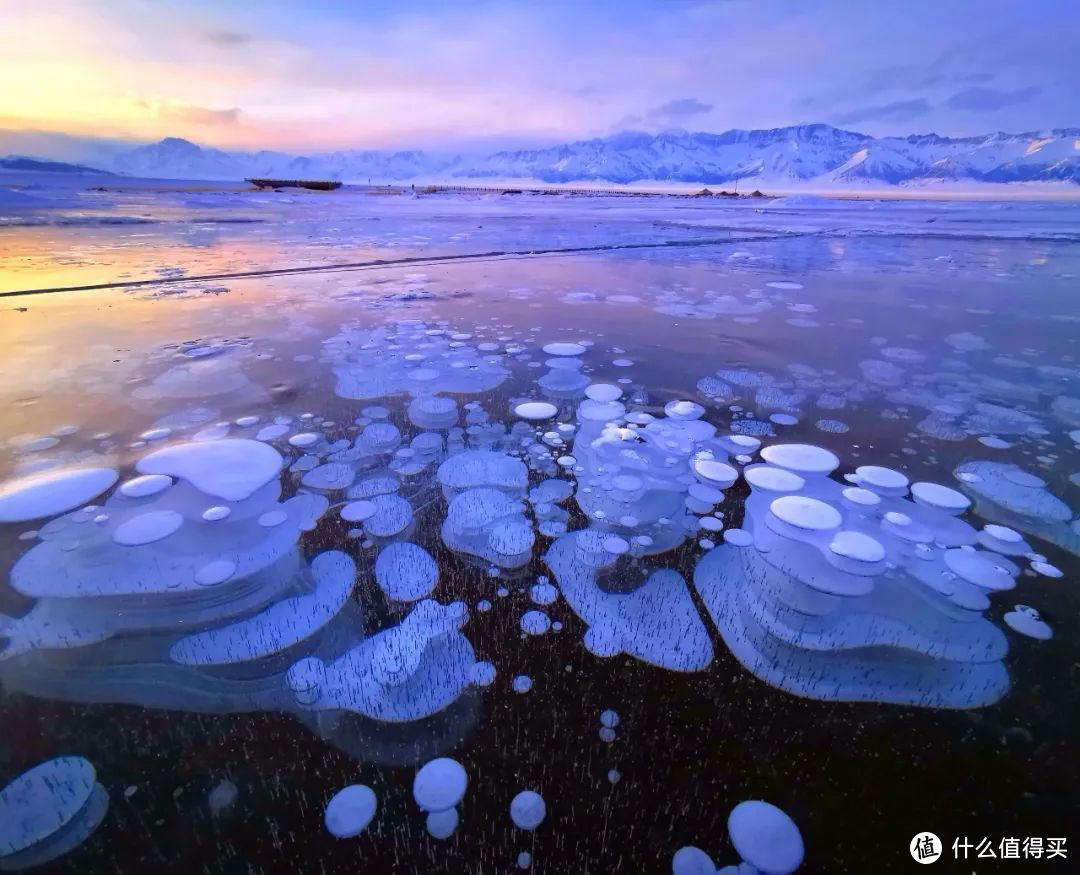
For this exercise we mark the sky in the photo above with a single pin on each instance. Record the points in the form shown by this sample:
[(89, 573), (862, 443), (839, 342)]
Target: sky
[(453, 74)]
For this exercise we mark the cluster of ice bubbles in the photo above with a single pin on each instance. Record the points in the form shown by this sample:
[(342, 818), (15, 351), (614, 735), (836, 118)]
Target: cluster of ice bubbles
[(765, 837), (189, 585)]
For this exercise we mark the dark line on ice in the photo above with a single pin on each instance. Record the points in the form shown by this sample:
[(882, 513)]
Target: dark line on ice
[(394, 262)]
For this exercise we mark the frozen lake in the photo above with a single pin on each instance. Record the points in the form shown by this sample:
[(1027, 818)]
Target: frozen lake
[(303, 491)]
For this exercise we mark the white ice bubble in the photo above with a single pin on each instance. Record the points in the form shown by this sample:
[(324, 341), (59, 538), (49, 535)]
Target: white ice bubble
[(692, 861), (563, 348), (1027, 622), (765, 837), (231, 469), (145, 528), (147, 484), (535, 410), (535, 623), (857, 546), (440, 784), (941, 497), (603, 392), (405, 572), (441, 824), (522, 683), (527, 810), (801, 458), (53, 492), (350, 811), (806, 513)]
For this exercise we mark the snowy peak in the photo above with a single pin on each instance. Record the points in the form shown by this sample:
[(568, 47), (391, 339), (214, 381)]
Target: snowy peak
[(804, 154)]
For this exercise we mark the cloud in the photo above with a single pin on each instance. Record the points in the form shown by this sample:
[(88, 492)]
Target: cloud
[(197, 115), (225, 37), (897, 111), (982, 99), (677, 110)]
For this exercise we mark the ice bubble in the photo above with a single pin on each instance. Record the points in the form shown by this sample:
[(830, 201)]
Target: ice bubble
[(433, 411), (524, 860), (405, 572), (765, 837), (49, 810), (770, 479), (692, 861), (441, 824), (304, 439), (861, 497), (718, 473), (683, 410), (876, 477), (738, 537), (54, 492), (272, 518), (609, 718), (833, 426), (806, 513), (522, 683), (1027, 622), (563, 348), (358, 511), (527, 810), (543, 593), (603, 392), (148, 484), (216, 513), (783, 419), (350, 811), (482, 674), (1046, 569), (535, 623), (230, 469), (440, 784), (222, 797), (613, 776), (393, 514), (940, 497), (488, 468), (987, 570), (535, 410), (801, 458), (271, 432), (857, 546), (786, 285), (607, 734), (213, 573), (147, 527)]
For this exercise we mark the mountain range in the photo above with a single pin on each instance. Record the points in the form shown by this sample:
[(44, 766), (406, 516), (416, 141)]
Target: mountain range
[(803, 155)]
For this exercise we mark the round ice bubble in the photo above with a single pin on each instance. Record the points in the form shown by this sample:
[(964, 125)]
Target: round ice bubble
[(154, 525), (522, 683), (806, 513), (941, 497), (1026, 621), (718, 473), (52, 492), (482, 674), (603, 392), (147, 484), (527, 810), (874, 476), (42, 800), (766, 837), (857, 546), (535, 410), (405, 572), (563, 348), (543, 593), (801, 458), (441, 824), (609, 718), (771, 479), (350, 811), (440, 784), (230, 469), (535, 623), (692, 861)]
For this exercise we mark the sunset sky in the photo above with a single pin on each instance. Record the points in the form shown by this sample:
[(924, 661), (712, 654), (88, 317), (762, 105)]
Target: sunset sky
[(323, 75)]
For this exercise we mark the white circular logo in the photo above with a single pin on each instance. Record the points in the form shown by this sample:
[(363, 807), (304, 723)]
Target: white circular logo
[(925, 847)]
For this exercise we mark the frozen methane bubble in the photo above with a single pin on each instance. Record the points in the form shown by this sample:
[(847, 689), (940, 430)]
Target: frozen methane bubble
[(406, 572), (52, 492), (563, 348), (440, 784), (527, 810), (692, 861), (535, 410), (535, 623), (522, 683), (603, 392), (148, 527), (231, 469), (49, 810), (806, 513), (801, 458), (1026, 621), (441, 824), (350, 811), (941, 497), (765, 837), (609, 718), (656, 621), (147, 484)]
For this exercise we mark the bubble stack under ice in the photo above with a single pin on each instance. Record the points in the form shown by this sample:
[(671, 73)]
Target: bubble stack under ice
[(187, 587), (858, 592)]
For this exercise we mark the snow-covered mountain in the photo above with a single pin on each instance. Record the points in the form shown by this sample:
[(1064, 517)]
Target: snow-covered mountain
[(806, 154)]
